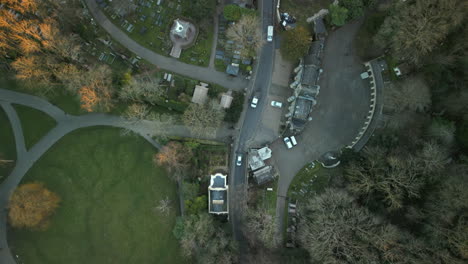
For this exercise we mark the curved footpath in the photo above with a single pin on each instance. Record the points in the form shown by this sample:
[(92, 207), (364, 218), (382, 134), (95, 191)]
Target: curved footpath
[(65, 124), (170, 64)]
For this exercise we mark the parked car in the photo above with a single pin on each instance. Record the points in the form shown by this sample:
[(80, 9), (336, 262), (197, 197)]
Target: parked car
[(287, 141), (293, 140), (254, 102), (276, 104), (239, 160)]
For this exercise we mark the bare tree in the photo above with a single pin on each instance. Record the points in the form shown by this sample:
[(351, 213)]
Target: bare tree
[(247, 32), (394, 177), (433, 157), (443, 131), (417, 28), (263, 226), (411, 94), (203, 120), (164, 206), (141, 90), (136, 112), (176, 157), (333, 229)]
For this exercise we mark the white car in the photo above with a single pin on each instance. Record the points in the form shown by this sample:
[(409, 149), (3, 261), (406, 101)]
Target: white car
[(287, 141), (239, 160), (254, 102), (293, 140), (276, 104)]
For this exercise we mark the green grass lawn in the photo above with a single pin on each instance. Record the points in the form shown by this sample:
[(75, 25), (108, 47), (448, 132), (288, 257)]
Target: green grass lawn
[(309, 182), (7, 145), (35, 124), (268, 198), (109, 187)]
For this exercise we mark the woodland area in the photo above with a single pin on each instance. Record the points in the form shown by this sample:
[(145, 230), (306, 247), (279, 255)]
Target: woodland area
[(403, 198)]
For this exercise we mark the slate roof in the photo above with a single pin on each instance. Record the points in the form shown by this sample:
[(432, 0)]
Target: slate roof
[(232, 69), (200, 94), (218, 194)]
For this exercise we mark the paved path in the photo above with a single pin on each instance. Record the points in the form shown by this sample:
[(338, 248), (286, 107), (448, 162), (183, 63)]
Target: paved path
[(65, 124), (219, 10), (170, 64)]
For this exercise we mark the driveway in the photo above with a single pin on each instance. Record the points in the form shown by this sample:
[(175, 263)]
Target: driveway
[(341, 110), (167, 63)]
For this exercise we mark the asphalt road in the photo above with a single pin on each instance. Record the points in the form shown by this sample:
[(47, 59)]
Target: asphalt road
[(251, 118)]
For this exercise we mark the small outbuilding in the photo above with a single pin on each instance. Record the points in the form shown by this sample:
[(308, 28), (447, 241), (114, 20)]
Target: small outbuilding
[(200, 94)]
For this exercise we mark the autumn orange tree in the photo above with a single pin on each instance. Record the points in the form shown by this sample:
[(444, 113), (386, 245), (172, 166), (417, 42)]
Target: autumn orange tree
[(96, 94), (30, 38), (175, 157), (31, 206)]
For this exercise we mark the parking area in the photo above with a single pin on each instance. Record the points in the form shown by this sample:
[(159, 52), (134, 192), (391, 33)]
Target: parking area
[(272, 121), (342, 107), (282, 70)]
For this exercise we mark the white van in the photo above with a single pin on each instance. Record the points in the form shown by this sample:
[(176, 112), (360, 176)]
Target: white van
[(293, 140), (270, 34)]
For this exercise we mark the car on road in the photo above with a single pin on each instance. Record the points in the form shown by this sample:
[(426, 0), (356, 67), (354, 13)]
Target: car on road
[(288, 143), (276, 104), (239, 160), (293, 140), (270, 33), (254, 102)]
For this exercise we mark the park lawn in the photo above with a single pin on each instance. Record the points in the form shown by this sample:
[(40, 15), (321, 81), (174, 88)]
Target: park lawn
[(302, 9), (35, 124), (109, 188), (7, 144)]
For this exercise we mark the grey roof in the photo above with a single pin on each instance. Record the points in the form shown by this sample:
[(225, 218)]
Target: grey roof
[(302, 109), (218, 194), (232, 70), (218, 182), (226, 100), (255, 161), (200, 94), (218, 201), (309, 75), (264, 175), (319, 26)]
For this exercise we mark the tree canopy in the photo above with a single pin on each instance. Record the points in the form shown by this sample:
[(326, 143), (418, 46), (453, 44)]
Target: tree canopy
[(31, 206), (338, 15), (232, 12), (203, 120), (295, 43), (417, 28)]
